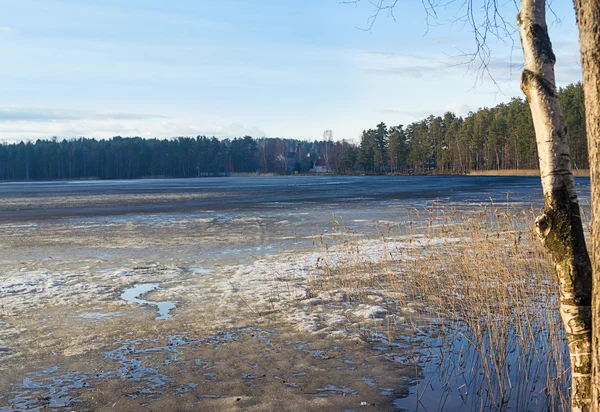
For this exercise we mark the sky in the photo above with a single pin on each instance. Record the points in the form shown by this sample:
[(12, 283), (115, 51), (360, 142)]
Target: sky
[(227, 68)]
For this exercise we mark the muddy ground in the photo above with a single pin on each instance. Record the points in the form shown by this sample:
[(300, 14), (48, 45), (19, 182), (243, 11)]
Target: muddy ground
[(241, 336)]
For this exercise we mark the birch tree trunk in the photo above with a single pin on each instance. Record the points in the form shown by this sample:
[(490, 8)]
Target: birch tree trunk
[(559, 227), (588, 20)]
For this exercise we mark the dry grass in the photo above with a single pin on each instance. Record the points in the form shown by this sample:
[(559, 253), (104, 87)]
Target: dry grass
[(520, 172), (483, 308)]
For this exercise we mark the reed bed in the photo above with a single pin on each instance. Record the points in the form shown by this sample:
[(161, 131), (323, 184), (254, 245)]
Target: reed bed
[(471, 296)]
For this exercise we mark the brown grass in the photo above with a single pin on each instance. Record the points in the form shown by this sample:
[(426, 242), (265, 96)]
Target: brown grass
[(484, 308), (520, 172)]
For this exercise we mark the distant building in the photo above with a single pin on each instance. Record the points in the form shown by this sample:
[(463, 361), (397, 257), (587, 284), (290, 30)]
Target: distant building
[(320, 166)]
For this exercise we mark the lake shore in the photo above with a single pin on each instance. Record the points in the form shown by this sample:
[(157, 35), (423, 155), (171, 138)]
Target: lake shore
[(522, 172), (239, 337), (407, 172), (286, 300)]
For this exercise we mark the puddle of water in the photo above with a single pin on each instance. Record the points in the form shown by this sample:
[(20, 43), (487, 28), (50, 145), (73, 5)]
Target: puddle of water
[(134, 294), (50, 389), (142, 362)]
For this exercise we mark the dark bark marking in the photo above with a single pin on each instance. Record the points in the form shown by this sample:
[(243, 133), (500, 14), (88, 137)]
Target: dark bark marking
[(531, 79), (542, 44)]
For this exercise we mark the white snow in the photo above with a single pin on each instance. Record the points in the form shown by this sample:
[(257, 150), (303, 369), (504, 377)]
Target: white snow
[(279, 282), (371, 311), (21, 291), (273, 284)]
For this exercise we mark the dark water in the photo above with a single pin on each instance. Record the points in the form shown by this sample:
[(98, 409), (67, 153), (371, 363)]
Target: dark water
[(288, 193)]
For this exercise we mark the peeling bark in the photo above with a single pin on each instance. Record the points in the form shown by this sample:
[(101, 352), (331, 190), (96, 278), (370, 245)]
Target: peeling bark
[(559, 227), (588, 21)]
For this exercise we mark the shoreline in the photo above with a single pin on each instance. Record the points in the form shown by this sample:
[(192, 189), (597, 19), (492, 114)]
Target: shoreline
[(334, 326), (472, 173), (521, 172)]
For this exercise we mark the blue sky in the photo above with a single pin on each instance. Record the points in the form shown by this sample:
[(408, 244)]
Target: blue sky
[(289, 68)]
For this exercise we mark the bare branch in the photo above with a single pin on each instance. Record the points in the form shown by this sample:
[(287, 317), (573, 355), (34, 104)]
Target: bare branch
[(483, 18)]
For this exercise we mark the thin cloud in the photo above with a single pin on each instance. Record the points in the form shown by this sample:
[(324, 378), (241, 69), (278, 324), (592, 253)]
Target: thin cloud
[(460, 109), (27, 115), (405, 71), (47, 115)]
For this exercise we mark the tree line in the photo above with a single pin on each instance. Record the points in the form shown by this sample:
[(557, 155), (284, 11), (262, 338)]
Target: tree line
[(495, 138)]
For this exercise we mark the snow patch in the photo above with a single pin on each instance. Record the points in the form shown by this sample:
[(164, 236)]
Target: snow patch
[(22, 291), (279, 283), (371, 311)]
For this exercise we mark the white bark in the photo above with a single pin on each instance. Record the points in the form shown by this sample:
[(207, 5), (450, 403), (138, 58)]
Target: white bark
[(559, 227)]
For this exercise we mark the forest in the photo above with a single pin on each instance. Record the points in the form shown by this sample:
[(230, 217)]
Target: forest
[(495, 138)]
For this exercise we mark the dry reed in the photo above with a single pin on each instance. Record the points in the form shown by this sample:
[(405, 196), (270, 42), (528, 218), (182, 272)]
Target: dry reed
[(471, 296)]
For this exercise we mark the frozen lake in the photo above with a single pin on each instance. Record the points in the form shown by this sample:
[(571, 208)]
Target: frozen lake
[(221, 220), (231, 257), (338, 193)]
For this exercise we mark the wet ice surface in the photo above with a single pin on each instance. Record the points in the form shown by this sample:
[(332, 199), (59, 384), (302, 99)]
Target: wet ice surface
[(183, 364), (226, 264), (50, 388), (134, 293)]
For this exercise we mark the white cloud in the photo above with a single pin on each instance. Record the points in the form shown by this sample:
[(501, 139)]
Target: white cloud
[(34, 123), (459, 109)]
